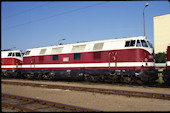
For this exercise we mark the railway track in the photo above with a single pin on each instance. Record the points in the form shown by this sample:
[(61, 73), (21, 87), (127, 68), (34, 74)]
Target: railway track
[(95, 90), (25, 104)]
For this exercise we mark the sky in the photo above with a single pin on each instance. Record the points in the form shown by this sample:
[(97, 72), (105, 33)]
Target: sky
[(31, 24)]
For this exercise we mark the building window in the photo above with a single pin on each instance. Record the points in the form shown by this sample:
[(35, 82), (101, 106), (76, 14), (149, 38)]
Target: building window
[(55, 57), (97, 55), (77, 56)]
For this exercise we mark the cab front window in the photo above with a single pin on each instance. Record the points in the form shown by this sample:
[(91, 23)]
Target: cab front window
[(150, 44), (144, 44), (138, 44)]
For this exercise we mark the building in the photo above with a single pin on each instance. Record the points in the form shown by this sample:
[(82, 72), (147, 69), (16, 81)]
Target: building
[(161, 33)]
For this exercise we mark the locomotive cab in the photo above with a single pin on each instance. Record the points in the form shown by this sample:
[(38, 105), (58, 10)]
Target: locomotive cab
[(140, 43), (144, 58), (144, 50), (11, 63)]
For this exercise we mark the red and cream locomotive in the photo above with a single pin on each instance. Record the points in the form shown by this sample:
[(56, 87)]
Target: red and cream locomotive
[(11, 63), (167, 70), (116, 60)]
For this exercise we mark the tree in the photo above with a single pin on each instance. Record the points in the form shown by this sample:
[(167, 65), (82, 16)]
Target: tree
[(160, 57)]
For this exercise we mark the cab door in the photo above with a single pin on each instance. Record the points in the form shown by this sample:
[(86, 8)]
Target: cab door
[(32, 62), (112, 59)]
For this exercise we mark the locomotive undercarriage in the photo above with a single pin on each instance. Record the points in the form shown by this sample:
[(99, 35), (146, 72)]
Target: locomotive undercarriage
[(166, 77), (10, 73), (130, 76)]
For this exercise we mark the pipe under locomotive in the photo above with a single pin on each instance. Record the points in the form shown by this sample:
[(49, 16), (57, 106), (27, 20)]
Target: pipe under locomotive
[(127, 60)]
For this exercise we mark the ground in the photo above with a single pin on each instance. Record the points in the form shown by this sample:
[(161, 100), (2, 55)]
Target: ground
[(91, 100)]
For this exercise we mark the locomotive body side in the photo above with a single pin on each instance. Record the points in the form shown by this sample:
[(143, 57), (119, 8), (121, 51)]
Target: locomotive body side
[(95, 61), (168, 58), (11, 63), (167, 71)]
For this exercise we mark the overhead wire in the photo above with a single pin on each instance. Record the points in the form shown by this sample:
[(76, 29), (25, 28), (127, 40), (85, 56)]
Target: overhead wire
[(59, 14), (19, 13)]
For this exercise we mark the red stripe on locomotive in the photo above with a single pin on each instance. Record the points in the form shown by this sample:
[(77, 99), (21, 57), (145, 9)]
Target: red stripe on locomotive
[(126, 55)]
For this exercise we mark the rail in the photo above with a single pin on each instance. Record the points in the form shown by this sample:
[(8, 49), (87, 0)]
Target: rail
[(27, 104), (96, 90)]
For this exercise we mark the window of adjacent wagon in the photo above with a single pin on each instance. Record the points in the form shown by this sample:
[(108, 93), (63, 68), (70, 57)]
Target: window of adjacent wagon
[(9, 54), (13, 54), (97, 55), (18, 54), (77, 56), (55, 57)]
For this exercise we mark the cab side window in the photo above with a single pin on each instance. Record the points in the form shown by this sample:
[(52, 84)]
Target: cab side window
[(130, 43), (127, 44)]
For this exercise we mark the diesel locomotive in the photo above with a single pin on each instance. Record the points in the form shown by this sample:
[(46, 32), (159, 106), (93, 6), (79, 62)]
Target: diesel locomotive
[(129, 60)]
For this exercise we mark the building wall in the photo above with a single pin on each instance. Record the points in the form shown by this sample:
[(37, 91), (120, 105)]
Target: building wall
[(161, 32)]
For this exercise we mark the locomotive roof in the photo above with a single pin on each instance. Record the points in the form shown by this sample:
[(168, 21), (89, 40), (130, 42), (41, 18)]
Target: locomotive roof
[(5, 53), (86, 46), (80, 43)]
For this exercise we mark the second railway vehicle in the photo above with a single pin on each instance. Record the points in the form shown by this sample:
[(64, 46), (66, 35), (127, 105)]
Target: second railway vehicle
[(11, 63), (167, 70)]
